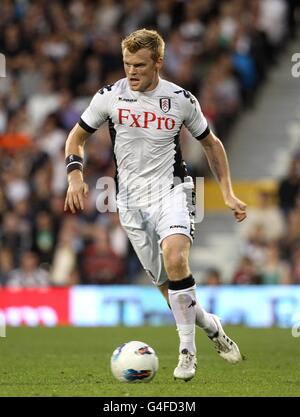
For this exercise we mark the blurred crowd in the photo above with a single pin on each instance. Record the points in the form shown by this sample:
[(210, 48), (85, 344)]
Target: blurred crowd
[(58, 54), (270, 238), (271, 253)]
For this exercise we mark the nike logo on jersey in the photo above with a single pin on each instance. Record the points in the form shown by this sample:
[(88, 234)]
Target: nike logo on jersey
[(145, 120)]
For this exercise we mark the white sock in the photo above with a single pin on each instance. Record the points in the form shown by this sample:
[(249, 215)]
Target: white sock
[(205, 321), (182, 303)]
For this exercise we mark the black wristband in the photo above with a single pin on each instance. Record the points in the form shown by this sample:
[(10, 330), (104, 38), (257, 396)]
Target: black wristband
[(74, 162)]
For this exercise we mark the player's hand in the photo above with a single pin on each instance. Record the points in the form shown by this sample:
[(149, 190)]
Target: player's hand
[(77, 191), (238, 207)]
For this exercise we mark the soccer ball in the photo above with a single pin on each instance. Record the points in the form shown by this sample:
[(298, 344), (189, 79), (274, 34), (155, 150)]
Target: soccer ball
[(134, 362)]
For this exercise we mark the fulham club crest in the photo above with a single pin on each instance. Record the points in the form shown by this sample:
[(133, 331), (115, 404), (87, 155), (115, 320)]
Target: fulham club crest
[(165, 104)]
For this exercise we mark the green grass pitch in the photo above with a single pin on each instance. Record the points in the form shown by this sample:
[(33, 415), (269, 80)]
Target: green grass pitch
[(67, 361)]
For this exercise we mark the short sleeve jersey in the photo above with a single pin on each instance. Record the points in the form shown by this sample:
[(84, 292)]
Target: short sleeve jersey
[(144, 129)]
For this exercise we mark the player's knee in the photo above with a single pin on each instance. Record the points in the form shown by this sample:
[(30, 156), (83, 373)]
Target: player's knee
[(175, 262)]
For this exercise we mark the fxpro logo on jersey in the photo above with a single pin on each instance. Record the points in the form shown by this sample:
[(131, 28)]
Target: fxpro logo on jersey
[(145, 120)]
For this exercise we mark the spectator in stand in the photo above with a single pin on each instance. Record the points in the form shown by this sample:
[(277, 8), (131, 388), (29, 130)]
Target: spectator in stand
[(244, 64), (41, 185), (273, 21), (13, 139), (100, 264), (16, 188), (254, 246), (3, 205), (64, 271), (192, 28), (289, 187), (212, 277), (274, 271), (164, 16), (177, 61), (295, 264), (108, 14), (246, 273), (291, 239), (94, 75), (223, 87), (6, 264), (44, 237), (67, 114), (13, 237), (135, 14), (266, 215), (29, 274), (51, 137)]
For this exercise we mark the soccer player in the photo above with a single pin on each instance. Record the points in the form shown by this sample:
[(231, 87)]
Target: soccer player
[(145, 114)]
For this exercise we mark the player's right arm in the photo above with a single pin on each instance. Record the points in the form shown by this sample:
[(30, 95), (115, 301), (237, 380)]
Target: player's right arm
[(77, 188), (92, 118)]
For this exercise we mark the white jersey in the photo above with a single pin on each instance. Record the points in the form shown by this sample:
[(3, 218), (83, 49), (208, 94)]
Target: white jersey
[(144, 129)]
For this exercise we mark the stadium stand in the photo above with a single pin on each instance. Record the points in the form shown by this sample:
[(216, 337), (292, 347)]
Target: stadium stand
[(58, 55)]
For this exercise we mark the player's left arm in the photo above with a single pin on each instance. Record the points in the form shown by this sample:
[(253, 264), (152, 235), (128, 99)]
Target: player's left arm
[(218, 162)]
